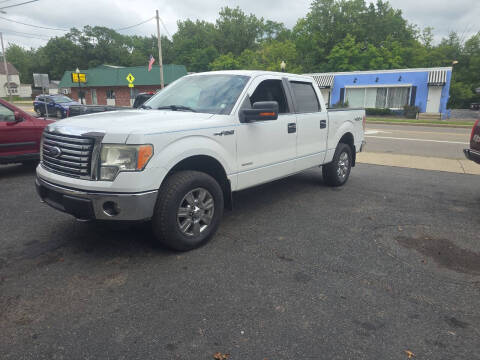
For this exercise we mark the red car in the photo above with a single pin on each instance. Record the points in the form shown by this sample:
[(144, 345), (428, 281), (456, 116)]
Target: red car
[(20, 134), (474, 152)]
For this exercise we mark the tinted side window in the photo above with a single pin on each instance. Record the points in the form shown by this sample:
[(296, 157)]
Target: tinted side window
[(305, 97), (271, 90)]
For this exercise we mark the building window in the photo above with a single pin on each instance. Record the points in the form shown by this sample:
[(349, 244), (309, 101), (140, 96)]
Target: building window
[(111, 94), (381, 97)]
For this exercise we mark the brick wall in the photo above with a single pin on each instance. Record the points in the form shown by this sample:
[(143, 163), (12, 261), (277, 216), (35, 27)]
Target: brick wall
[(122, 94)]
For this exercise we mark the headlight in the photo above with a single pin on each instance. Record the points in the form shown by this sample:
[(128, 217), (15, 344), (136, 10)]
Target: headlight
[(116, 158)]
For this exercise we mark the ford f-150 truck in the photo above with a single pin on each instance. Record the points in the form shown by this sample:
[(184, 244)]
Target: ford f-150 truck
[(177, 161)]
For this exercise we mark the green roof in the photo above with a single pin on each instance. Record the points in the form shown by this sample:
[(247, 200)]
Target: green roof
[(110, 75)]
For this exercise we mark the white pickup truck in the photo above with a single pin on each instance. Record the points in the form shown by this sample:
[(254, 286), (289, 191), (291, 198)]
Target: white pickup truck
[(177, 161)]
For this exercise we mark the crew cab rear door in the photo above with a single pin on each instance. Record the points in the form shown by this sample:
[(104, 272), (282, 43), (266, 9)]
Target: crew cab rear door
[(312, 123), (266, 149)]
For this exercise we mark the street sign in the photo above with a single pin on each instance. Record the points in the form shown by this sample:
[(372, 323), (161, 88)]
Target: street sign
[(131, 85), (41, 81), (130, 78), (79, 77)]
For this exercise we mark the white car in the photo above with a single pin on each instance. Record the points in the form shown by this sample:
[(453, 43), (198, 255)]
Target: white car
[(178, 160)]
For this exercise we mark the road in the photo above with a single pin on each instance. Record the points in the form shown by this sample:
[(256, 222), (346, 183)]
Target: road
[(386, 264), (438, 142)]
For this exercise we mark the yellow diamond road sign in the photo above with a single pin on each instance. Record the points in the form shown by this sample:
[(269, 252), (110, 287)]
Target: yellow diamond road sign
[(130, 78)]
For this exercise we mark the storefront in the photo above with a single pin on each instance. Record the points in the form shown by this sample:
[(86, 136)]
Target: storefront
[(388, 89), (108, 84)]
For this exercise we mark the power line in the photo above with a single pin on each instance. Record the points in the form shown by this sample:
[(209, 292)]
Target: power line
[(34, 26), (14, 5), (131, 26), (21, 34), (163, 24)]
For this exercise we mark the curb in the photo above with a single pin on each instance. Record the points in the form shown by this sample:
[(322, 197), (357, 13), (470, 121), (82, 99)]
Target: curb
[(421, 124)]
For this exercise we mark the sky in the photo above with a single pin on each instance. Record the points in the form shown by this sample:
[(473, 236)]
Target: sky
[(462, 16)]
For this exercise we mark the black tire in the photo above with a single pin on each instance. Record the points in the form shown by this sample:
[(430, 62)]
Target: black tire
[(337, 172), (171, 197)]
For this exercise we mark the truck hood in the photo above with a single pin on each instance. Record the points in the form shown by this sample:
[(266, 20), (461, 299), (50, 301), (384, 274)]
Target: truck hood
[(125, 122)]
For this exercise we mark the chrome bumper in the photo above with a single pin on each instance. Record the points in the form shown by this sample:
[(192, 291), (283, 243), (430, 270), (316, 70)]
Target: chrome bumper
[(98, 205), (472, 155)]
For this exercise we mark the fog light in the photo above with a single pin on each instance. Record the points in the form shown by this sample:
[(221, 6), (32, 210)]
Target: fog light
[(110, 208)]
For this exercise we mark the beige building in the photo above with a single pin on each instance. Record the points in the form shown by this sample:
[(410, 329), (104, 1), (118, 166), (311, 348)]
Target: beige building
[(16, 88)]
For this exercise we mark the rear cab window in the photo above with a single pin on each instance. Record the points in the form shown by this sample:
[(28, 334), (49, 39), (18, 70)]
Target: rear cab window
[(306, 99)]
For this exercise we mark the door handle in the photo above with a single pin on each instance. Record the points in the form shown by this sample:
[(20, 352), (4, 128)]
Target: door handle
[(292, 127), (323, 124)]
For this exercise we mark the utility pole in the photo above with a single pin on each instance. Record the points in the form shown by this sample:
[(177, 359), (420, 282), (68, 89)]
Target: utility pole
[(6, 69), (160, 61)]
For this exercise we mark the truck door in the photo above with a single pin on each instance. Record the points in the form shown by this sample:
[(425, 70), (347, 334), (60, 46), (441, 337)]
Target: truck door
[(312, 125), (266, 149), (16, 138)]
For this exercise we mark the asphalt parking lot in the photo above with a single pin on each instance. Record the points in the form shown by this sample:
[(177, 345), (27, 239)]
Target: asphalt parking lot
[(387, 264)]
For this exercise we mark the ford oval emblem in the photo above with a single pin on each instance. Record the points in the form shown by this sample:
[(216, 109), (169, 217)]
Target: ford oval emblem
[(55, 152)]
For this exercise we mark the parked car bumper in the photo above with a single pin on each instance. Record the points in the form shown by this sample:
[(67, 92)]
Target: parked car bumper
[(98, 205), (472, 155), (11, 159)]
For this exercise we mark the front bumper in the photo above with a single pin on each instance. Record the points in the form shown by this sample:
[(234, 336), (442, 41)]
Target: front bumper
[(98, 205), (472, 155)]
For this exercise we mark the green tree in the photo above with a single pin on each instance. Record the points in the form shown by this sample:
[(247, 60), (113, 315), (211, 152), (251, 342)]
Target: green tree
[(225, 62), (23, 60), (236, 31), (193, 44)]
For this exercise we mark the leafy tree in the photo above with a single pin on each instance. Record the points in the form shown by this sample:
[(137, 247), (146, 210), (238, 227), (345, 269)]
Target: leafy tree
[(236, 31), (23, 60), (225, 62)]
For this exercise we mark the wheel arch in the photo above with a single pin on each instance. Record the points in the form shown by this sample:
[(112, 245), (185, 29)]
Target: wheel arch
[(211, 166), (349, 140)]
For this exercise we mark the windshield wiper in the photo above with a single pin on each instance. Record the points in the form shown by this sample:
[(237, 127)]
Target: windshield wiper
[(177, 108), (145, 107)]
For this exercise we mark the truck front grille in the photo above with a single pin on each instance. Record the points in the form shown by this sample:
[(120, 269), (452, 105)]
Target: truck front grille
[(67, 155)]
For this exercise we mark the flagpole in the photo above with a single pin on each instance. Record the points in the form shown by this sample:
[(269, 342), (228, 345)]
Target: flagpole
[(160, 61)]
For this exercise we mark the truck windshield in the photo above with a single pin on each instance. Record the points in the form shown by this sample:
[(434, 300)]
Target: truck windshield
[(215, 94)]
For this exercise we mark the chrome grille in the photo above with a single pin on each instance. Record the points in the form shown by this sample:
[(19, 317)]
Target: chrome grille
[(68, 155)]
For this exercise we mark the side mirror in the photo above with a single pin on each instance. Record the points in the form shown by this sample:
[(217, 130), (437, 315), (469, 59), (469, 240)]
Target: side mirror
[(15, 119), (18, 117), (260, 111)]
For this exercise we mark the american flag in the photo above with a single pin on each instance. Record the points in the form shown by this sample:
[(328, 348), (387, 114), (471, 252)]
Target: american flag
[(150, 63)]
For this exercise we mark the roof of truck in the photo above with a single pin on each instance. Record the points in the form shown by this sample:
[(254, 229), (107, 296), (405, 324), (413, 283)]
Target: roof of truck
[(252, 73)]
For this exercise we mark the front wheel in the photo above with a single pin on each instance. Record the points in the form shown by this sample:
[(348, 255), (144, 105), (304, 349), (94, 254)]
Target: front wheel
[(337, 172), (188, 210)]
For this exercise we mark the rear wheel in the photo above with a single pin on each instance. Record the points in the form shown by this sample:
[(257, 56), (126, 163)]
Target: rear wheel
[(337, 172), (188, 210)]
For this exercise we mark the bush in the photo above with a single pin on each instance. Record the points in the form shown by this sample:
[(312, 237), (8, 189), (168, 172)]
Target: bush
[(411, 111), (340, 105), (375, 111)]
